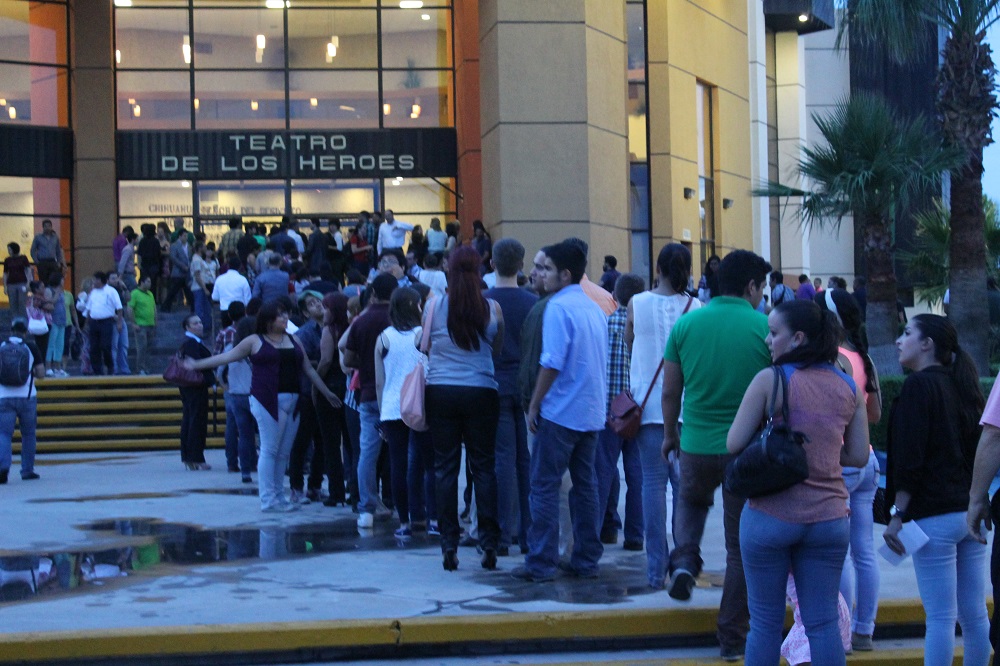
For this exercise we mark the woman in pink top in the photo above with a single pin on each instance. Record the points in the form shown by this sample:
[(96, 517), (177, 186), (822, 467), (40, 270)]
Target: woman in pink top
[(861, 483), (804, 529)]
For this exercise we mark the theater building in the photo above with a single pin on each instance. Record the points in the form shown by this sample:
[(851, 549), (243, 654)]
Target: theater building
[(628, 123)]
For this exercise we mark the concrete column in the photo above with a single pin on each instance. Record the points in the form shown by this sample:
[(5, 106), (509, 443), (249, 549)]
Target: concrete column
[(554, 125), (95, 195), (470, 169), (760, 206), (793, 122)]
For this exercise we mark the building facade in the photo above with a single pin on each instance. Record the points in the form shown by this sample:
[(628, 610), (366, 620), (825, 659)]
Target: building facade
[(628, 123)]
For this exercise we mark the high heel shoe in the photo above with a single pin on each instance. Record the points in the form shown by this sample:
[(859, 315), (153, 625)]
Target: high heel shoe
[(489, 560), (191, 467), (450, 560)]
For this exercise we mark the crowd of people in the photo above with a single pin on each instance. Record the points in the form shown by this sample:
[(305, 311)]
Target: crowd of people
[(321, 335)]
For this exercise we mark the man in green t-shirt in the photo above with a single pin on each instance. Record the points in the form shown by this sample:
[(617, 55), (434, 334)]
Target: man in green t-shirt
[(142, 311), (712, 355)]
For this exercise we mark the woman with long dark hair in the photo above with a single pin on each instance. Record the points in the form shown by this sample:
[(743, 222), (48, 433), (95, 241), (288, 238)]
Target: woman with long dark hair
[(466, 331), (861, 482), (277, 360), (804, 529), (332, 421), (708, 286), (651, 317), (933, 435), (194, 399)]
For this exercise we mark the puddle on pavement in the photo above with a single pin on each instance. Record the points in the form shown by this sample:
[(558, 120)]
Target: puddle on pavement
[(143, 544), (103, 498)]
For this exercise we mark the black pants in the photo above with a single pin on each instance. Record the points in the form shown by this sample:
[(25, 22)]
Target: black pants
[(457, 414), (101, 331), (177, 285), (397, 436), (333, 430), (194, 424), (308, 435), (46, 268)]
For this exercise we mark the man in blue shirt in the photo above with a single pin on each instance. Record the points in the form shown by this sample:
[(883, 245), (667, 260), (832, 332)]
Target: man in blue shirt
[(567, 411), (272, 283)]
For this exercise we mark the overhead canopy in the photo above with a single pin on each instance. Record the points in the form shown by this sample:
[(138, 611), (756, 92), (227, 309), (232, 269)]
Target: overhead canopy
[(801, 16)]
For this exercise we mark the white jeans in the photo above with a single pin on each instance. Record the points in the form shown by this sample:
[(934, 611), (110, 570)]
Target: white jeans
[(276, 437)]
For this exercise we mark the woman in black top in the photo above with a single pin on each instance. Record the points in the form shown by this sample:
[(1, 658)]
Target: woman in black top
[(194, 399), (933, 434)]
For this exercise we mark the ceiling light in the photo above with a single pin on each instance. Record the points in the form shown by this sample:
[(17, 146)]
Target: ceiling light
[(344, 107), (131, 101), (12, 112), (313, 101), (186, 50), (396, 183), (118, 56), (197, 103), (136, 111), (185, 183), (253, 105), (261, 42), (386, 109), (123, 3), (803, 18), (415, 110), (426, 17), (259, 56), (3, 102), (411, 4), (274, 4)]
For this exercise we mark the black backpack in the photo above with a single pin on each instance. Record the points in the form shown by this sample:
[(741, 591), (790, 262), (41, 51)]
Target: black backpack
[(15, 363)]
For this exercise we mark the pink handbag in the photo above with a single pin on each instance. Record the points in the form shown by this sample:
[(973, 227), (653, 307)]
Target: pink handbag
[(411, 398)]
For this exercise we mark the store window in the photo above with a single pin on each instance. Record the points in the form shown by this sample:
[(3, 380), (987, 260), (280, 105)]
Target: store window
[(706, 171), (638, 131), (34, 91)]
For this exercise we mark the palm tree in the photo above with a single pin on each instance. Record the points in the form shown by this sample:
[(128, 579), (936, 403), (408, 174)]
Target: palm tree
[(928, 264), (870, 164), (966, 105)]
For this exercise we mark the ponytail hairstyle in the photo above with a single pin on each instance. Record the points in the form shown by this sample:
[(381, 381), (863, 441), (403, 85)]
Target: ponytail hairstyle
[(820, 328), (848, 313), (468, 312), (948, 353), (674, 265)]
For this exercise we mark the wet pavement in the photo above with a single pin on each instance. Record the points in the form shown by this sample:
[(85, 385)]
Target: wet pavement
[(135, 540)]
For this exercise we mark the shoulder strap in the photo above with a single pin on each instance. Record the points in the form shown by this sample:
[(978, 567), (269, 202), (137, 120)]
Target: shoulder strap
[(688, 306), (656, 376), (774, 393), (425, 334)]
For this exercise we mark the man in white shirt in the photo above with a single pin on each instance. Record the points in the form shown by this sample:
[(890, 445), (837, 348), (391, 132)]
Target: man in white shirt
[(104, 310), (231, 286), (296, 237), (18, 401), (392, 233)]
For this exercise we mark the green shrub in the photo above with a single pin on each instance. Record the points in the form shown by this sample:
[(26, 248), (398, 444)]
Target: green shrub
[(891, 386)]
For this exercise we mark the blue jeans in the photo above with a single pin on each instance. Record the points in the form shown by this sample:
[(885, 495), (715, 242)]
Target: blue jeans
[(609, 447), (371, 446), (814, 553), (12, 412), (951, 576), (119, 350), (420, 477), (203, 308), (240, 450), (656, 472), (861, 590), (276, 437), (513, 470), (555, 450)]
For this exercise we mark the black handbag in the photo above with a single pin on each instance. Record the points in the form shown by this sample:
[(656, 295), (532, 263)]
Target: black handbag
[(775, 460)]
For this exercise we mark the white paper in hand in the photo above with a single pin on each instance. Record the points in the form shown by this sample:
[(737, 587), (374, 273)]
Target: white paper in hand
[(913, 539)]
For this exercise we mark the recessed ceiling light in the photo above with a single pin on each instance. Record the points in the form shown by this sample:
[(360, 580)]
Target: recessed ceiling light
[(123, 3), (426, 17), (803, 18), (411, 4)]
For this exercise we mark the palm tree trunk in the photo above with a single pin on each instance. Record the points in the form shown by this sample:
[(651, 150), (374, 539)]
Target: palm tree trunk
[(969, 310), (881, 321)]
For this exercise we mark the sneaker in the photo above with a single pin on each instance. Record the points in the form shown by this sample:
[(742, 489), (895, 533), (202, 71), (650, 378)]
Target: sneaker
[(568, 569), (731, 653), (609, 536), (433, 529), (143, 373), (403, 531), (681, 586), (366, 520), (247, 478), (279, 508), (632, 544), (50, 373), (523, 573), (861, 642), (316, 494), (30, 476), (61, 373), (299, 497)]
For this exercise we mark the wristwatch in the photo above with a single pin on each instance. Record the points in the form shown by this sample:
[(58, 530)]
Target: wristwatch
[(895, 511)]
